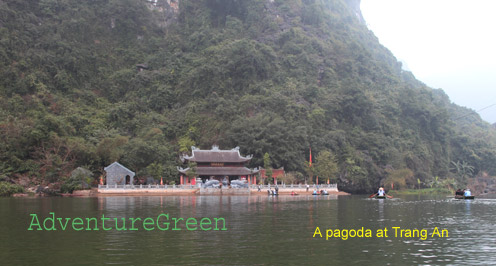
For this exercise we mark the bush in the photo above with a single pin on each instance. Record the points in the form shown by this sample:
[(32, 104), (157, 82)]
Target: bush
[(79, 179), (7, 189)]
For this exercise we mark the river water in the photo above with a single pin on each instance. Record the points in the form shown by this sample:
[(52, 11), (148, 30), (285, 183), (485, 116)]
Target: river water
[(260, 230)]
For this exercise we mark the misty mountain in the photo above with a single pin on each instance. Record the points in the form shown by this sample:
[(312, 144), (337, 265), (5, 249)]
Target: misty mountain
[(85, 83)]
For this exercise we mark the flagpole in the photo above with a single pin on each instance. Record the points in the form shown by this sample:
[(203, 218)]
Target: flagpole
[(310, 162)]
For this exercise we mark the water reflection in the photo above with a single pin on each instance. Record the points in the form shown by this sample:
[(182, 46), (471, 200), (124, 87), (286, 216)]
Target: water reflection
[(467, 207), (381, 210), (261, 230)]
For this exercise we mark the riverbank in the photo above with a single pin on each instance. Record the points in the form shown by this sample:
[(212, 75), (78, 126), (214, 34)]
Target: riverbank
[(180, 191), (95, 192), (175, 190), (339, 193), (198, 191), (423, 191)]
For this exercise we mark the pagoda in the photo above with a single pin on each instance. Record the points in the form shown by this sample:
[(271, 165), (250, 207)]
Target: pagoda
[(218, 164)]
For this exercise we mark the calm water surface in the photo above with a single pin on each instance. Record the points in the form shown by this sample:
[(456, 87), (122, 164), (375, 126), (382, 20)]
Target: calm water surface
[(261, 230)]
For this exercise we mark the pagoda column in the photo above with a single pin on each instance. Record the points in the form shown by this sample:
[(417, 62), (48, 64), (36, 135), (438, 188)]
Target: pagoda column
[(181, 181)]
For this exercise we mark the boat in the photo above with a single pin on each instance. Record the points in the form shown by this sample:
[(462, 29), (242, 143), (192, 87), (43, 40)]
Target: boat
[(380, 197), (464, 197)]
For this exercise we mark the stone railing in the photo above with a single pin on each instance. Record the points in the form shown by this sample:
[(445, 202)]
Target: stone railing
[(331, 187), (299, 186), (147, 186)]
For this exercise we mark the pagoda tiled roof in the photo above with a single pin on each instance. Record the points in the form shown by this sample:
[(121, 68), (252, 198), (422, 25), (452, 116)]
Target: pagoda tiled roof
[(214, 171), (216, 155)]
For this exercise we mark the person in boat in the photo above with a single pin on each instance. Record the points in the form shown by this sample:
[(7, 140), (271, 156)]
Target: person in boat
[(467, 193), (315, 192), (277, 190), (268, 191), (459, 192), (381, 192), (293, 193), (325, 192)]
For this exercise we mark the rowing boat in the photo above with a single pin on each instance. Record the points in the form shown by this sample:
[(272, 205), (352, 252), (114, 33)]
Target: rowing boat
[(464, 197)]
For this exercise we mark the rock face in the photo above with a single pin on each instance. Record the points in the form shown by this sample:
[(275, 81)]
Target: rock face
[(46, 191), (355, 6), (166, 11)]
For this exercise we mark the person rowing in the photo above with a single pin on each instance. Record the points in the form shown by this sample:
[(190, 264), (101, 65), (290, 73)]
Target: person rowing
[(381, 193)]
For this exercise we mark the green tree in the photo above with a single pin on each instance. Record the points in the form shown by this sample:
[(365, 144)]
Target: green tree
[(462, 171), (434, 182), (267, 167), (79, 179), (289, 177), (325, 165), (398, 178), (450, 183), (110, 150), (185, 144), (156, 170), (7, 189), (170, 172)]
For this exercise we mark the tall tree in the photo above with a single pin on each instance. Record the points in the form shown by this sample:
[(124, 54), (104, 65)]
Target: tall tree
[(268, 167), (462, 171), (325, 165)]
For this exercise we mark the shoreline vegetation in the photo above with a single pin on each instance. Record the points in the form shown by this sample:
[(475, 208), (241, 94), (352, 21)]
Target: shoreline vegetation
[(8, 189), (422, 191)]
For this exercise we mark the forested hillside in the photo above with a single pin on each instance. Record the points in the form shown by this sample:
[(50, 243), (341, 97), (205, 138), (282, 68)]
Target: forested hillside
[(268, 76)]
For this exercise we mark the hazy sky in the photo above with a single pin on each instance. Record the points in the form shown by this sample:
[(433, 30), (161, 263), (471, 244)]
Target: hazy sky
[(448, 44)]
